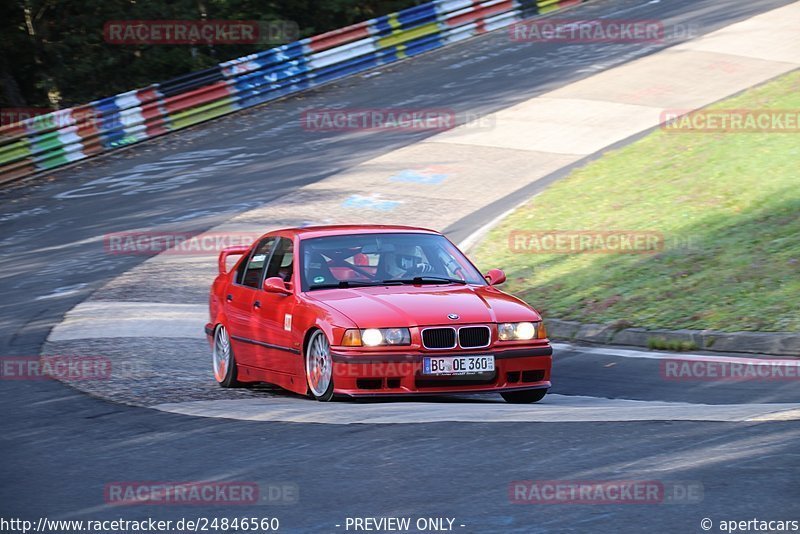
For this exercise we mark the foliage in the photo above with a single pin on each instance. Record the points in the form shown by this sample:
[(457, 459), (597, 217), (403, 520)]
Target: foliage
[(54, 50)]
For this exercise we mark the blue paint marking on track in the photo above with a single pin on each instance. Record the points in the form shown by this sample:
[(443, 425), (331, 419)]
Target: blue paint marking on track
[(419, 176), (370, 202)]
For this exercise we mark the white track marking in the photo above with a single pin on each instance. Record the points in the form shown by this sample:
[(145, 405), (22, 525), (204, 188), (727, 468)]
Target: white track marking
[(628, 353), (112, 319), (553, 409)]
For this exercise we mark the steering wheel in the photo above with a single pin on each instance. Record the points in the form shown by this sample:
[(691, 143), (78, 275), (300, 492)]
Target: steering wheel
[(420, 268)]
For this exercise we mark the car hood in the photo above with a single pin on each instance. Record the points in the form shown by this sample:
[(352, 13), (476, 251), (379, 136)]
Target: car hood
[(387, 306)]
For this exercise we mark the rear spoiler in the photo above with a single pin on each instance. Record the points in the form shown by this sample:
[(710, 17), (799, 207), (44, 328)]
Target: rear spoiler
[(236, 250)]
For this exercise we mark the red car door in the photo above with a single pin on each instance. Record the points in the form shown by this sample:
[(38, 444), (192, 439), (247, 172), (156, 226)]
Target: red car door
[(239, 301), (272, 315)]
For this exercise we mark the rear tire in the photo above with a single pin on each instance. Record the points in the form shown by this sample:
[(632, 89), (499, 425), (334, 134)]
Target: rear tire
[(225, 369), (524, 397)]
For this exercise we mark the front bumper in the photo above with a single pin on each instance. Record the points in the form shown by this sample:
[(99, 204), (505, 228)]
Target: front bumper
[(361, 374)]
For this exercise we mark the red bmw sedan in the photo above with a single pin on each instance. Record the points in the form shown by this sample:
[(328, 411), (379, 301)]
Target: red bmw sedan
[(368, 311)]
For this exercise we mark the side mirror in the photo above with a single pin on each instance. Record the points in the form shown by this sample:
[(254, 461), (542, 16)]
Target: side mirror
[(495, 277), (275, 284)]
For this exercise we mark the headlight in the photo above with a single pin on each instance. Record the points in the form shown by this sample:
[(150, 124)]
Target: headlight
[(520, 331), (371, 337), (374, 337)]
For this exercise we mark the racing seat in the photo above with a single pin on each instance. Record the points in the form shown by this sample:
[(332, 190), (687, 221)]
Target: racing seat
[(318, 271), (285, 272)]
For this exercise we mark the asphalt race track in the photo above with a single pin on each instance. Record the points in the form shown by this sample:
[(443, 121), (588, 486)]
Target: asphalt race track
[(609, 417)]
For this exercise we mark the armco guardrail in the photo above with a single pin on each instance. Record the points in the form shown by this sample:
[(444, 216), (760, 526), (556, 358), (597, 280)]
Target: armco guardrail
[(64, 136)]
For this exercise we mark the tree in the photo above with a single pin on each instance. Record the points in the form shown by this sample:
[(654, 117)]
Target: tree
[(54, 52)]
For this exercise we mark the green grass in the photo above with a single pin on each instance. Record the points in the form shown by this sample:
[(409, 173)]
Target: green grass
[(727, 204), (659, 343)]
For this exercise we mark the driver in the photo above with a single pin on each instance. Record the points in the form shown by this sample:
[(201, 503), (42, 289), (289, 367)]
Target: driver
[(405, 262)]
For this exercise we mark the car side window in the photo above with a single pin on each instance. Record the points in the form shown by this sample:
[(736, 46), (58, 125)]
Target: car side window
[(282, 261), (255, 264), (241, 269)]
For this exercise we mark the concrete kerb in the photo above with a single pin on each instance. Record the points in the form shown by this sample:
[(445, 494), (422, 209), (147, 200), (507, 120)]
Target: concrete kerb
[(750, 343)]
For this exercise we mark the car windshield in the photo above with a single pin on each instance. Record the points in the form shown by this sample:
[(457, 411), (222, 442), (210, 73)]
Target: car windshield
[(383, 259)]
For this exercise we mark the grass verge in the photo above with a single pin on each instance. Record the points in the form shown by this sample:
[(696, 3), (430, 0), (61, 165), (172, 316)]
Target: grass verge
[(725, 205)]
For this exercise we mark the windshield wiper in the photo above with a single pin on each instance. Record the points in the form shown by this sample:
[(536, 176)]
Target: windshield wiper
[(428, 280), (344, 284)]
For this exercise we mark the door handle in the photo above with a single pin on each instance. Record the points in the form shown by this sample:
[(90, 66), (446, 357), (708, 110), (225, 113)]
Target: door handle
[(257, 304), (229, 298)]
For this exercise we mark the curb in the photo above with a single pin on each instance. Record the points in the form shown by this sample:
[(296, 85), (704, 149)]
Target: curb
[(760, 343)]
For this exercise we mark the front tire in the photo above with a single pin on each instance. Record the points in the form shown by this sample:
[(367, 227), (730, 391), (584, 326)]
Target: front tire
[(524, 397), (319, 367), (225, 369)]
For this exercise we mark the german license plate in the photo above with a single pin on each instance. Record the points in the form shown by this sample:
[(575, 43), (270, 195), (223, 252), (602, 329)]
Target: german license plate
[(457, 365)]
